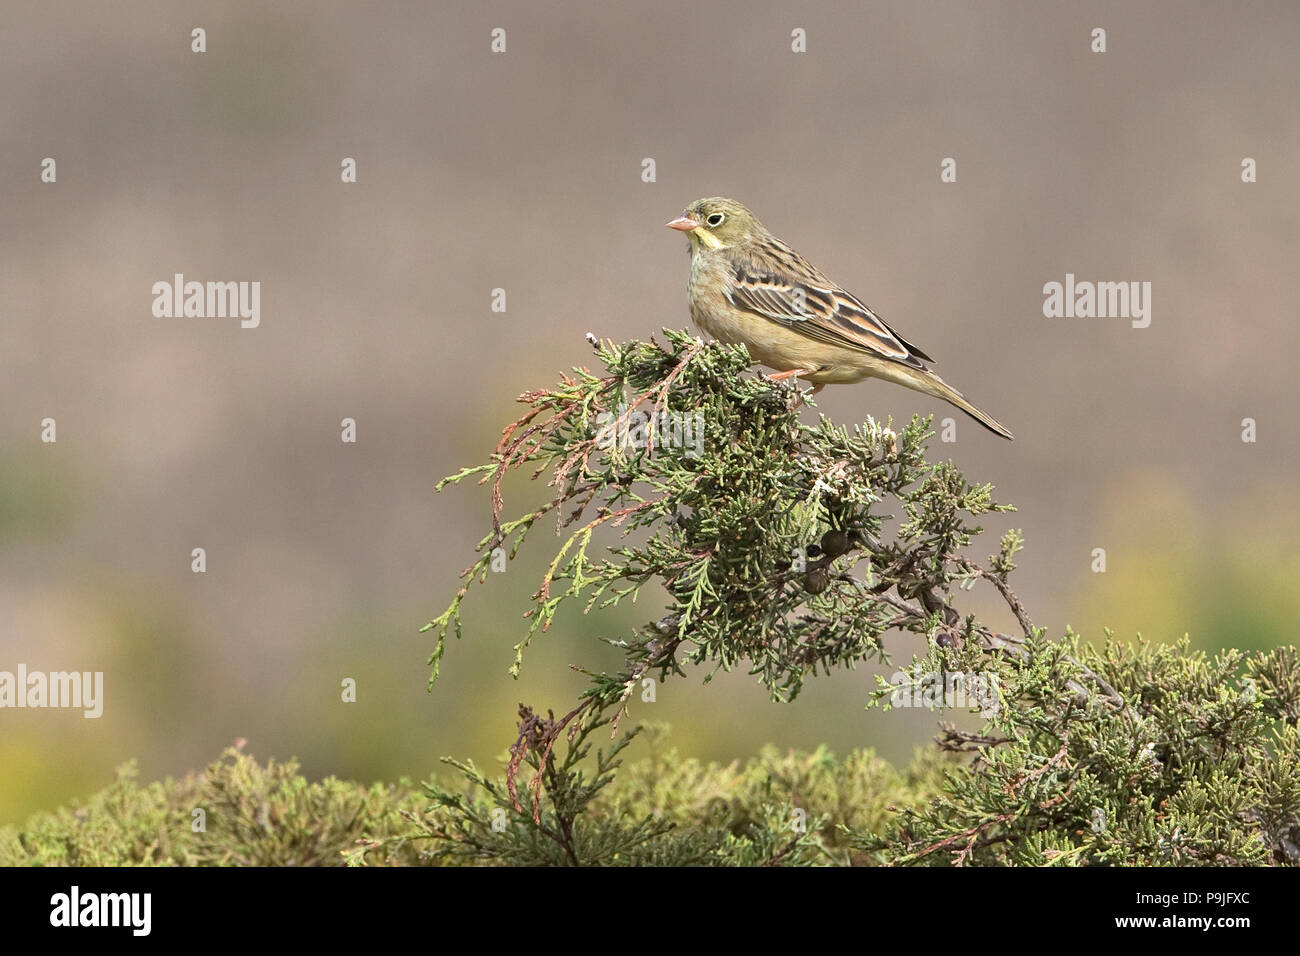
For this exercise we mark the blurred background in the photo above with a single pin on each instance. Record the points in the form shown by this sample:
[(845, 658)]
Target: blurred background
[(522, 171)]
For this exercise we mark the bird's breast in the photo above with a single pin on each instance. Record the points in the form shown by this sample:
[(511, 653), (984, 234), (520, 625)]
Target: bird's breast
[(711, 310)]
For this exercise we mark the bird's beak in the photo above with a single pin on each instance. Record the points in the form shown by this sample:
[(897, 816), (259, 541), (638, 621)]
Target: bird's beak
[(683, 224)]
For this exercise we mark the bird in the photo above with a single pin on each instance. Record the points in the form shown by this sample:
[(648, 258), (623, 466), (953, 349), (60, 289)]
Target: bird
[(748, 287)]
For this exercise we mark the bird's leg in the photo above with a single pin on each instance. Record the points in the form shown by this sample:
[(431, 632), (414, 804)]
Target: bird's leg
[(782, 376)]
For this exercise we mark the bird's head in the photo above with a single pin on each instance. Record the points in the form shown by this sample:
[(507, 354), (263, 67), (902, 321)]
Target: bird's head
[(717, 223)]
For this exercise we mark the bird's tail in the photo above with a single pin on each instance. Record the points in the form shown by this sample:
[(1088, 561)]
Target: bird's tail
[(932, 384)]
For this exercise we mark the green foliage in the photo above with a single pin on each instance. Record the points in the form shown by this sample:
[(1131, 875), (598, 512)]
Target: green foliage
[(1199, 767), (253, 815), (789, 549), (1222, 789), (770, 537), (732, 516), (662, 809), (793, 809)]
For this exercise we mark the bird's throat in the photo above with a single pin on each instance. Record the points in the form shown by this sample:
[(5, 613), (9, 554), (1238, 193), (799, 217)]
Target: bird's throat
[(705, 238)]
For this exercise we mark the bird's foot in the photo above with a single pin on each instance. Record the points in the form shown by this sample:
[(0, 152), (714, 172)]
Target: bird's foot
[(791, 373), (803, 396)]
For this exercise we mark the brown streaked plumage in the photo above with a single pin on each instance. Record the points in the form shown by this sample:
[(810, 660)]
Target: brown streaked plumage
[(748, 287)]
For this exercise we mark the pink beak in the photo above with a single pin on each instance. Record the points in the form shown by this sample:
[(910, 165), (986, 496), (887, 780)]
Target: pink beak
[(683, 224)]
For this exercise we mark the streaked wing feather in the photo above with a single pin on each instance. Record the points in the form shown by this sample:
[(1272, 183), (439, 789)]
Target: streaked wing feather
[(829, 314)]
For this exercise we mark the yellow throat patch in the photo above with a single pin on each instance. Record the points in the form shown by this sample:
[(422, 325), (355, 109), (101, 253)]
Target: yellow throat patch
[(707, 239)]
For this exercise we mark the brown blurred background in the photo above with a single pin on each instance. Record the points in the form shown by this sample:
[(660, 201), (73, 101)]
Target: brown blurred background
[(522, 170)]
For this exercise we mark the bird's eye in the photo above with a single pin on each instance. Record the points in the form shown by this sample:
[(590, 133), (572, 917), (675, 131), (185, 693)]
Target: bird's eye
[(715, 219)]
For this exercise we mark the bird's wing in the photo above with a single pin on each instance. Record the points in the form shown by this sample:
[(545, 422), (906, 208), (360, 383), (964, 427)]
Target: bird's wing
[(820, 310)]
